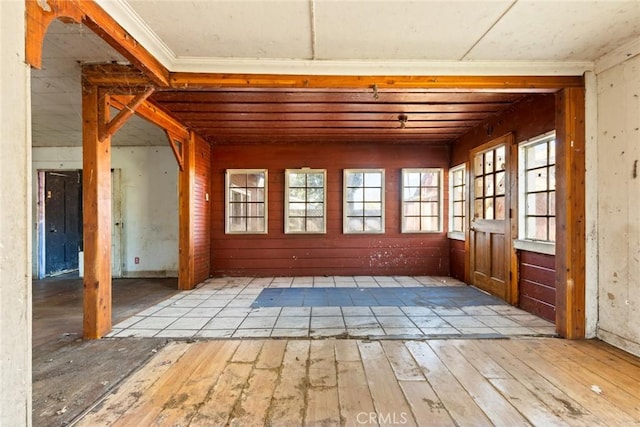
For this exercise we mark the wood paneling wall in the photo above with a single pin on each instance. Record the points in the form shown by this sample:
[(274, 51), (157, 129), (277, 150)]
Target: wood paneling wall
[(530, 117), (202, 211), (537, 284), (457, 257), (333, 253)]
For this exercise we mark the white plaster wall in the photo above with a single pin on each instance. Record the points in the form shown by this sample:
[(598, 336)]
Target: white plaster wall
[(149, 196), (619, 204), (15, 217)]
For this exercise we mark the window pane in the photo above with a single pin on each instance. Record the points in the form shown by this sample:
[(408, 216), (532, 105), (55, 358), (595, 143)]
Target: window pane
[(537, 228), (255, 179), (315, 225), (255, 224), (479, 208), (457, 193), (458, 208), (430, 224), (500, 184), (297, 209), (552, 178), (552, 152), (373, 194), (412, 224), (255, 209), (315, 195), (536, 155), (412, 193), (355, 179), (255, 194), (488, 208), (373, 179), (315, 209), (429, 208), (315, 180), (458, 177), (457, 224), (552, 229), (537, 204), (478, 161), (430, 179), (297, 179), (355, 224), (412, 209), (479, 188), (355, 194), (488, 162), (488, 185), (373, 209), (500, 158), (430, 193), (238, 224), (412, 179), (296, 224), (552, 203), (537, 180), (500, 208), (373, 224), (355, 209), (296, 195), (238, 180)]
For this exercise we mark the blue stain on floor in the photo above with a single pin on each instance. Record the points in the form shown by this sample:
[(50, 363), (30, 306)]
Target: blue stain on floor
[(441, 296)]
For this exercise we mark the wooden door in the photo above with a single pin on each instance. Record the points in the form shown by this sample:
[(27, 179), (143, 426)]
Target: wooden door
[(63, 227), (489, 217)]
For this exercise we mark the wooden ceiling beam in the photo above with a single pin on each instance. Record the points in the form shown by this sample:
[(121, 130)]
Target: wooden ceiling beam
[(320, 107), (531, 84), (282, 117), (39, 14), (153, 114), (268, 125), (305, 96), (446, 133)]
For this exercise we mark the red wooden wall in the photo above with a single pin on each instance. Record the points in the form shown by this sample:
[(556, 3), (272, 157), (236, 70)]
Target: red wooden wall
[(537, 284), (457, 256), (532, 116), (333, 253), (202, 211)]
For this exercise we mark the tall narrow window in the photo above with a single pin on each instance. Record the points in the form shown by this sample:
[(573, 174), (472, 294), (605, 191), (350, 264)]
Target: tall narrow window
[(457, 200), (305, 201), (421, 200), (537, 185), (246, 201), (363, 201)]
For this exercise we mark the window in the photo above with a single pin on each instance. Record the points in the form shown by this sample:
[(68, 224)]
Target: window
[(421, 200), (457, 199), (489, 186), (363, 201), (305, 201), (537, 185), (246, 201)]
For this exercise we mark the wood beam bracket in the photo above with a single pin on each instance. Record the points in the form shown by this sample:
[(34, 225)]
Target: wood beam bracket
[(177, 146), (110, 128), (40, 14)]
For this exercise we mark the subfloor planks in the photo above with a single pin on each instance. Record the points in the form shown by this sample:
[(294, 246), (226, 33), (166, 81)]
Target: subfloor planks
[(529, 381)]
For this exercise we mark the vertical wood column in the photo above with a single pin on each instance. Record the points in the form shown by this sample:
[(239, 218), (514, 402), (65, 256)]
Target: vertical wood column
[(186, 194), (570, 213), (96, 193)]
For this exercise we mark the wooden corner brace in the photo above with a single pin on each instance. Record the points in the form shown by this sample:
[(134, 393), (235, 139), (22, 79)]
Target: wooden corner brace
[(109, 129)]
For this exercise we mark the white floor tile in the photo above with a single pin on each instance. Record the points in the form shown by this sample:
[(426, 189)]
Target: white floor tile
[(224, 323), (258, 323)]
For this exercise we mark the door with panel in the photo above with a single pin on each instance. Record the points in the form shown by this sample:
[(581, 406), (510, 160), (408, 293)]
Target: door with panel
[(489, 246)]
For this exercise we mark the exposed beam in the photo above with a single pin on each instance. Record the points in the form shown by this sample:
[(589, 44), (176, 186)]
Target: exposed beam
[(41, 13), (275, 125), (153, 114), (125, 114), (468, 83), (96, 212), (570, 213), (333, 115)]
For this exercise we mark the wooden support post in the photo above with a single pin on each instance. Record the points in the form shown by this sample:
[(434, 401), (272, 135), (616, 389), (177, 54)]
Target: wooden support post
[(570, 213), (186, 193), (96, 188)]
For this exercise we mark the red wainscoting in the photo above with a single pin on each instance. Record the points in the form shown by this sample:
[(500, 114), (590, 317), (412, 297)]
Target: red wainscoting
[(202, 212), (457, 257), (333, 253), (536, 281)]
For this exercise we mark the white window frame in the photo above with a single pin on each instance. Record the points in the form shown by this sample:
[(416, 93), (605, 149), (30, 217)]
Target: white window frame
[(345, 217), (228, 198), (458, 234), (524, 243), (287, 230), (440, 173)]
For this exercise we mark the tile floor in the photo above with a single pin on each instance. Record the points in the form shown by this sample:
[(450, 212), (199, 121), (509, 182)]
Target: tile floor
[(231, 308)]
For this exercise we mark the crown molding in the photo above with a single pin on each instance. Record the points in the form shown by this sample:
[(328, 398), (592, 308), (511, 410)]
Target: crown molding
[(128, 18)]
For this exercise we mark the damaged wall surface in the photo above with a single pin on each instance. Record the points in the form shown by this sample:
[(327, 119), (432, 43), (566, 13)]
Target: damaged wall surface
[(619, 204)]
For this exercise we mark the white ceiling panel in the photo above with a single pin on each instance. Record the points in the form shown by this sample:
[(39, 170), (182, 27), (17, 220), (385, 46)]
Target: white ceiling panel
[(427, 30), (231, 29), (535, 30)]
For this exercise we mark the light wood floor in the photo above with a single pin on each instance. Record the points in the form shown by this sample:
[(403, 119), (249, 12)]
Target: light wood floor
[(539, 381)]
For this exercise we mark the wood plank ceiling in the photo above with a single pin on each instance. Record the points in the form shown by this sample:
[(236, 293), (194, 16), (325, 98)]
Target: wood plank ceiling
[(332, 115)]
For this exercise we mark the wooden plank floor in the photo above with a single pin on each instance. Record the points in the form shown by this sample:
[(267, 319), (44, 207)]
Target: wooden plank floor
[(529, 381)]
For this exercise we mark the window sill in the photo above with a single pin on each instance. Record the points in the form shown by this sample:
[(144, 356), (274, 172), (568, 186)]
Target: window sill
[(533, 246), (456, 235)]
